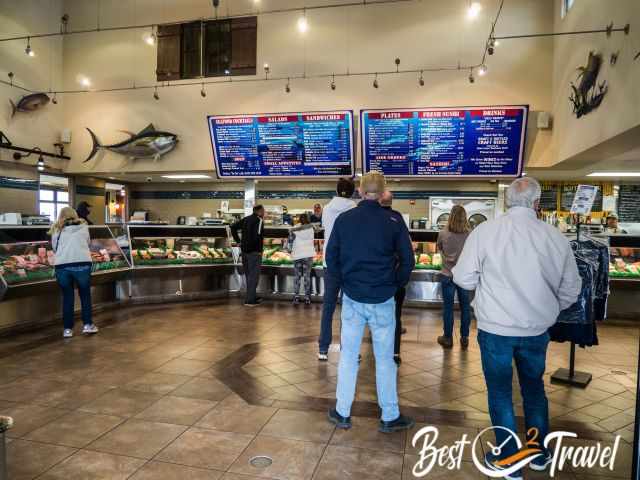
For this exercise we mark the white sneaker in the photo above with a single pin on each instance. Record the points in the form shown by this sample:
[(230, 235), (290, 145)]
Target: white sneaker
[(67, 333), (89, 329)]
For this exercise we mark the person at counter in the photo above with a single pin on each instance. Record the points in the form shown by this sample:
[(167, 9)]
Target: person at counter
[(70, 242), (338, 205), (287, 219), (301, 238), (249, 233), (316, 216), (370, 256), (450, 243), (524, 273), (387, 201), (612, 225), (84, 210)]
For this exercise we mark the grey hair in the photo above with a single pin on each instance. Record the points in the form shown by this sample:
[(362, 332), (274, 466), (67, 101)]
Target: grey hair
[(523, 192)]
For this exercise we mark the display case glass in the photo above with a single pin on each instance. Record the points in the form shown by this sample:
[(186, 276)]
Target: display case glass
[(177, 245), (26, 254), (624, 256), (425, 250), (277, 250)]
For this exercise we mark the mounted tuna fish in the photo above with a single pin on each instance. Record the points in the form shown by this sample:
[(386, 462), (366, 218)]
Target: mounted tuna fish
[(149, 143), (29, 103)]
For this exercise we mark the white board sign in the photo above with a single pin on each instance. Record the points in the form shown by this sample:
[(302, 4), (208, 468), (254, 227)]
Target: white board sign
[(583, 199)]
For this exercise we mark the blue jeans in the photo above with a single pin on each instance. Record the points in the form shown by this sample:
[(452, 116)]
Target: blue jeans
[(530, 354), (329, 301), (79, 275), (380, 317), (449, 290)]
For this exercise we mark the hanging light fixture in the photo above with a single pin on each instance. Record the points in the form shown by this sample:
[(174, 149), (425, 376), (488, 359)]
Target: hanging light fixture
[(375, 81), (474, 10), (482, 70), (421, 79), (123, 192), (287, 87), (155, 94), (54, 100), (40, 164), (491, 46), (333, 82), (472, 79), (303, 25), (29, 51), (203, 92)]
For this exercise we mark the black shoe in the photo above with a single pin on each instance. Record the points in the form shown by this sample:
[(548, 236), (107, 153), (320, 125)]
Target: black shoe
[(307, 301), (464, 343), (397, 359), (338, 420), (403, 331), (397, 425), (359, 358), (259, 300), (446, 342), (296, 300)]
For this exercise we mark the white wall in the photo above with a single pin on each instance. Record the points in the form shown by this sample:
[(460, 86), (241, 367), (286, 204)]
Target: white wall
[(620, 110), (422, 33), (41, 72)]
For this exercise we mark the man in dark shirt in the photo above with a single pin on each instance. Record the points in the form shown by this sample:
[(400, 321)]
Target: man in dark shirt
[(386, 201), (370, 256), (250, 239)]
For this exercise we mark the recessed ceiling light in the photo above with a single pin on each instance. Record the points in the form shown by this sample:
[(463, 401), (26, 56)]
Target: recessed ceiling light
[(185, 176), (614, 174)]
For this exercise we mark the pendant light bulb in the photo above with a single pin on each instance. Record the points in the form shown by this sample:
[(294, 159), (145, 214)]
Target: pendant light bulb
[(287, 87), (491, 46), (54, 100), (155, 94), (303, 25), (472, 79), (375, 82), (203, 92), (474, 10), (29, 51), (40, 165), (421, 80), (333, 82), (482, 70)]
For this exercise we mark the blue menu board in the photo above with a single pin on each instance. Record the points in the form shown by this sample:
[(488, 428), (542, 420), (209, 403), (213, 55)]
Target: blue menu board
[(445, 142), (284, 145)]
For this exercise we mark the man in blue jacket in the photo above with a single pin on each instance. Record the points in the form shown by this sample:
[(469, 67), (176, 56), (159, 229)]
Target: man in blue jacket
[(370, 255)]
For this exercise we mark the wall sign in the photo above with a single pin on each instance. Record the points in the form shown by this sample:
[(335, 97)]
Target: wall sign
[(472, 142), (283, 145)]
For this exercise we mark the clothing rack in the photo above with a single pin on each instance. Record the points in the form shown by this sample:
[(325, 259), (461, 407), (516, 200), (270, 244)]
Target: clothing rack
[(569, 376)]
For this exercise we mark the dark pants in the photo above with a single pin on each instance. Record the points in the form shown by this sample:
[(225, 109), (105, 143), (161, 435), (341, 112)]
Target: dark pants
[(251, 263), (449, 290), (67, 277), (530, 354), (399, 297), (330, 299), (302, 269)]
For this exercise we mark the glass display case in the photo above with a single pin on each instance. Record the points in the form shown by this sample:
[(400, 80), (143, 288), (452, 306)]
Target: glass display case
[(425, 250), (178, 245), (26, 254), (624, 257), (277, 251)]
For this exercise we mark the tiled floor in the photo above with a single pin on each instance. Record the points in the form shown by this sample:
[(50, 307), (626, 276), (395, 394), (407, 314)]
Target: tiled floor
[(196, 391)]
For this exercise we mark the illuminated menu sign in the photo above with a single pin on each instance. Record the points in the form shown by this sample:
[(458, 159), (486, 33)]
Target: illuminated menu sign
[(311, 144), (445, 142)]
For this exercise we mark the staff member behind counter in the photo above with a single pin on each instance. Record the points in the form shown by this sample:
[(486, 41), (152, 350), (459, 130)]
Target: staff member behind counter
[(612, 224)]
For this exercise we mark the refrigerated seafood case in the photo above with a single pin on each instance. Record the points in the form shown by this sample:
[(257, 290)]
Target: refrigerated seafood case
[(170, 261), (624, 276), (27, 259)]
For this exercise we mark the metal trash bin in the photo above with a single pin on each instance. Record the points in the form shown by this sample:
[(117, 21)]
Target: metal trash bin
[(5, 424)]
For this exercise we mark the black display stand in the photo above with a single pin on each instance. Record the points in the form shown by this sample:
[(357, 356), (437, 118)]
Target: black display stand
[(569, 376)]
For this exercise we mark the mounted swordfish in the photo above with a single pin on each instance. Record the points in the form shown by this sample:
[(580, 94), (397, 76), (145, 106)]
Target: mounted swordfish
[(149, 143)]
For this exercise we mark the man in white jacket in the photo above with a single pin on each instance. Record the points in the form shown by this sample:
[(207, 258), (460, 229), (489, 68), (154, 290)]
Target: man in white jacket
[(339, 204), (524, 273)]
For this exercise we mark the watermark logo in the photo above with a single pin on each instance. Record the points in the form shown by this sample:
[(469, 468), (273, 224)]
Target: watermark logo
[(559, 453)]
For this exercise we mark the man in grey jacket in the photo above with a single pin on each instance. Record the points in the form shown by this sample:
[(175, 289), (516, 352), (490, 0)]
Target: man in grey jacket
[(524, 273)]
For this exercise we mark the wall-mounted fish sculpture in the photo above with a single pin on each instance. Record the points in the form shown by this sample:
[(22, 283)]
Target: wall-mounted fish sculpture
[(149, 143), (29, 103)]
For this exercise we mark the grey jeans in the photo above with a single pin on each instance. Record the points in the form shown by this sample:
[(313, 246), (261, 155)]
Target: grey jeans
[(302, 268), (251, 262)]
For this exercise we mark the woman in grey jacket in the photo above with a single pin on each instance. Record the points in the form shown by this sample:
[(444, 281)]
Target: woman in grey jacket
[(70, 241)]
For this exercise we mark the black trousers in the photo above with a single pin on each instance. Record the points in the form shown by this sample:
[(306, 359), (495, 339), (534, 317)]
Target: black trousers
[(399, 297), (251, 262)]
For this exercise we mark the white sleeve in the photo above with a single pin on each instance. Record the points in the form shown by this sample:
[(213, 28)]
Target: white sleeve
[(466, 273), (571, 283)]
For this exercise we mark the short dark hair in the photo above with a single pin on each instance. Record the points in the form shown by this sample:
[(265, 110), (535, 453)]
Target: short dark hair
[(304, 219), (345, 188), (257, 208)]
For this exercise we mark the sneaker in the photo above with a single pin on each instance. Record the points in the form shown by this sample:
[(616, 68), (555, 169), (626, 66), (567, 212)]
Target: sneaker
[(296, 300), (403, 331), (397, 425), (307, 301), (446, 342), (464, 343), (490, 462), (338, 420), (541, 463), (67, 333), (251, 304), (397, 359), (323, 357), (89, 329)]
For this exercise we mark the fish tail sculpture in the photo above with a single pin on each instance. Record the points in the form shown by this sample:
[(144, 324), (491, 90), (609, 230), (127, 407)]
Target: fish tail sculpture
[(96, 145)]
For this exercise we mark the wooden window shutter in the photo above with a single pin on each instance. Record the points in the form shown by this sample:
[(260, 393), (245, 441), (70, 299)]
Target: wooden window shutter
[(244, 37), (169, 48)]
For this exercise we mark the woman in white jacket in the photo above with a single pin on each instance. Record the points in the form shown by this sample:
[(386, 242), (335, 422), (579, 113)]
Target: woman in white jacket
[(302, 252), (70, 241)]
